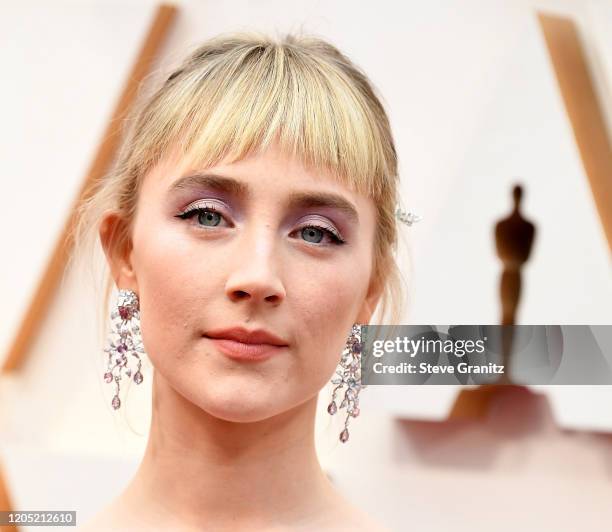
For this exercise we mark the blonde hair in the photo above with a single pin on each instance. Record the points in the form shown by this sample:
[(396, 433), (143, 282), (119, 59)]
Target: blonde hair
[(235, 94)]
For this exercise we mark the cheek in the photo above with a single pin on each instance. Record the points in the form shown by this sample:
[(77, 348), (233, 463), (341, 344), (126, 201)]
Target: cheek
[(174, 287), (325, 303)]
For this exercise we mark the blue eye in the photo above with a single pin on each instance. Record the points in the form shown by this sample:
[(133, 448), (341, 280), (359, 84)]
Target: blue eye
[(311, 231), (209, 216), (206, 216)]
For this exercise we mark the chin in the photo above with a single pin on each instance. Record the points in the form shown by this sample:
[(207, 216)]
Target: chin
[(239, 412), (237, 416), (237, 405)]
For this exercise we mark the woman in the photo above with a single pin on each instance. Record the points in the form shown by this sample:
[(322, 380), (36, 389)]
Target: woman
[(253, 202)]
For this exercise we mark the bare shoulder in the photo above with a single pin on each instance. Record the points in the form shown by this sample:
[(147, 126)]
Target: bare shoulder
[(355, 521), (362, 522), (351, 518), (101, 523), (96, 524), (111, 519)]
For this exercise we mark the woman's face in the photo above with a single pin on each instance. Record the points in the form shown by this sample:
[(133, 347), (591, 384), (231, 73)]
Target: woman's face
[(234, 246)]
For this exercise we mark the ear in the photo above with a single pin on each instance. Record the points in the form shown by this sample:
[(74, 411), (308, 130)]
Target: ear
[(117, 246), (368, 306)]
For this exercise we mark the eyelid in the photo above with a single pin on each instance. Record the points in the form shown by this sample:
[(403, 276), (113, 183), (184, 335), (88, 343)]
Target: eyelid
[(324, 221), (320, 222), (201, 204), (321, 225), (189, 212)]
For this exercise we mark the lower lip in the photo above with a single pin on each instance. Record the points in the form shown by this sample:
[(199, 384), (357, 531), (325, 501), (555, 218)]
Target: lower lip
[(246, 352)]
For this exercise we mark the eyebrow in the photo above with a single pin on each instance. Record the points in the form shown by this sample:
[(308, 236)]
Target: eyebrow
[(242, 190)]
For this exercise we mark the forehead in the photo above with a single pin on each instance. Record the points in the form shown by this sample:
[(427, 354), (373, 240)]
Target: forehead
[(269, 175)]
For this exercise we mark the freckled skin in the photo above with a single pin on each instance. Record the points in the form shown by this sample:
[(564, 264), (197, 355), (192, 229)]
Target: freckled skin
[(188, 278), (231, 445)]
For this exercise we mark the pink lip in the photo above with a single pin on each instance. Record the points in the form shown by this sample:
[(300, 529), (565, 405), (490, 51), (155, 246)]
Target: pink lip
[(246, 336), (246, 352), (244, 344)]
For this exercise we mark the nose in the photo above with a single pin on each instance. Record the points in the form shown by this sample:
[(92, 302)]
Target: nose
[(254, 276)]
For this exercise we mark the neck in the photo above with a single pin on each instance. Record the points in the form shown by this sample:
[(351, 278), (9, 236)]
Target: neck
[(201, 469)]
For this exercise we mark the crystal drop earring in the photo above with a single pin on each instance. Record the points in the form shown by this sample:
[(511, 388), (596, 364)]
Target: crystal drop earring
[(348, 374), (124, 340)]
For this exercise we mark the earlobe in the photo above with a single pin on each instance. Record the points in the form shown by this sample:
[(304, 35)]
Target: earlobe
[(116, 244), (370, 302)]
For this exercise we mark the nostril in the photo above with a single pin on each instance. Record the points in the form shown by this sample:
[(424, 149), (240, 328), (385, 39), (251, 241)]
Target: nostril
[(239, 294)]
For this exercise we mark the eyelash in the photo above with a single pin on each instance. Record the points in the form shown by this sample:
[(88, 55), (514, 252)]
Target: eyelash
[(335, 237)]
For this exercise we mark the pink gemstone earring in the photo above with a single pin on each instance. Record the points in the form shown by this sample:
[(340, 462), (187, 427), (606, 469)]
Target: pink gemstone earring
[(124, 340), (348, 374)]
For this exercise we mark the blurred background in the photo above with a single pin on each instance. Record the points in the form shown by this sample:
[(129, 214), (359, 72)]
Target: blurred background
[(482, 95)]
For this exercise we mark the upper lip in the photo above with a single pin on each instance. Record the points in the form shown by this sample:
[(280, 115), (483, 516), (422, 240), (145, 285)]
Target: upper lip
[(246, 336)]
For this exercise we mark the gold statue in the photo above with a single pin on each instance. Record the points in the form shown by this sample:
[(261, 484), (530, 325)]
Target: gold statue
[(514, 238)]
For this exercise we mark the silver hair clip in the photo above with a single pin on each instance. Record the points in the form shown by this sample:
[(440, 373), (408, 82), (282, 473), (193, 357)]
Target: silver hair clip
[(406, 217)]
